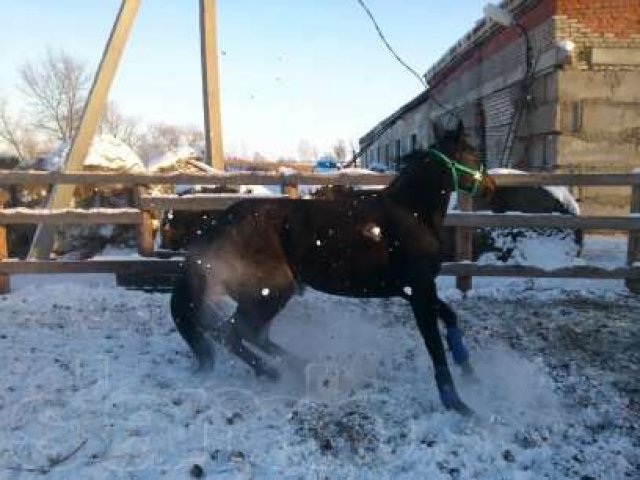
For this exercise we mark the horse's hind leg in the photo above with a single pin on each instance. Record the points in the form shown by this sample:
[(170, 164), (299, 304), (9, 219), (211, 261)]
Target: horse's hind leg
[(233, 340), (186, 302), (454, 337), (254, 319)]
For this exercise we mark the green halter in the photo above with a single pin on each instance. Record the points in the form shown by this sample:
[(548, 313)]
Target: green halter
[(457, 168)]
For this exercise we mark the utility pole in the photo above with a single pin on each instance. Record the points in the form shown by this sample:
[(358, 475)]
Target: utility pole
[(214, 154), (61, 195)]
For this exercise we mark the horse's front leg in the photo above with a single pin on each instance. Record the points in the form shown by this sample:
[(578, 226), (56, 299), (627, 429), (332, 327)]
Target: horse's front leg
[(454, 339), (424, 302)]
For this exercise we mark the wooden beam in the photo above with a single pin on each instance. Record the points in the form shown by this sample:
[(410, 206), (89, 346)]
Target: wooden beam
[(542, 220), (95, 216), (633, 242), (5, 280), (131, 216), (61, 195), (214, 154), (174, 267), (213, 201), (144, 229), (464, 244), (134, 266), (132, 179), (269, 178), (562, 179), (581, 271)]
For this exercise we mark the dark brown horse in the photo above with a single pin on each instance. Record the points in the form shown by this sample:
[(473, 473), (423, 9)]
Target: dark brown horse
[(243, 267)]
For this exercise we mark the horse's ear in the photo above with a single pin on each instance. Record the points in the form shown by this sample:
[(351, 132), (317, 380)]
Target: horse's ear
[(438, 131)]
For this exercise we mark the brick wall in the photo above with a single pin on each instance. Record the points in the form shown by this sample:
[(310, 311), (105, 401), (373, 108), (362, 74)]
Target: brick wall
[(599, 24), (618, 19)]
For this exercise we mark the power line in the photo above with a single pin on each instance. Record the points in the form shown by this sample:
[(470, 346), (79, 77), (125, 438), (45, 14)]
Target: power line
[(388, 45), (446, 111)]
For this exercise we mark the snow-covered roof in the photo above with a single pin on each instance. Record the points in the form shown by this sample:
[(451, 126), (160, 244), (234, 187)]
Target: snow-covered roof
[(106, 152), (561, 194), (172, 157)]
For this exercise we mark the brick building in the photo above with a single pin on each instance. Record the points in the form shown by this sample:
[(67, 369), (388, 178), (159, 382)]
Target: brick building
[(570, 103)]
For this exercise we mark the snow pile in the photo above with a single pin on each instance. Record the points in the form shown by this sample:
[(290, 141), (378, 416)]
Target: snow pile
[(549, 249), (106, 153), (561, 194)]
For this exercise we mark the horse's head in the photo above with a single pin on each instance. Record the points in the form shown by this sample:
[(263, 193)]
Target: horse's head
[(467, 169)]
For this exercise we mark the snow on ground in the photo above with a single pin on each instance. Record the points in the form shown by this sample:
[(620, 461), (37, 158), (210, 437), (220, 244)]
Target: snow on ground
[(97, 384)]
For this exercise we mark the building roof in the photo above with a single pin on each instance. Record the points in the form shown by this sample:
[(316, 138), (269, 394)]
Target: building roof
[(480, 30), (393, 118)]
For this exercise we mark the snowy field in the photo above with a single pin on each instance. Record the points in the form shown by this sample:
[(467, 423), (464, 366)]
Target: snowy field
[(97, 384)]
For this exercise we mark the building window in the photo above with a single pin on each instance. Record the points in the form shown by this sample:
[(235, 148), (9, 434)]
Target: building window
[(414, 142), (398, 149), (386, 154)]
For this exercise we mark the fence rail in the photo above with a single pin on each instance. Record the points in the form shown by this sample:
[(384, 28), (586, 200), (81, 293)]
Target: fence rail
[(463, 221), (260, 178), (173, 266)]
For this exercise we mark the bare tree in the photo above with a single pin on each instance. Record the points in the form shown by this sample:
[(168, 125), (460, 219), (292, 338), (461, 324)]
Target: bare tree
[(56, 88), (307, 151), (193, 137), (17, 134), (160, 138), (259, 157), (340, 150), (124, 128)]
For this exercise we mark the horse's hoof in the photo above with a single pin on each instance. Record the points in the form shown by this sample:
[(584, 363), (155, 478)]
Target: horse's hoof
[(451, 401), (460, 407), (270, 373), (469, 375), (463, 409), (204, 368)]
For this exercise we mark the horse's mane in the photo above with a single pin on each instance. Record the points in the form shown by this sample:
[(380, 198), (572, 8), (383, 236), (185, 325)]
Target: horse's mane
[(409, 162)]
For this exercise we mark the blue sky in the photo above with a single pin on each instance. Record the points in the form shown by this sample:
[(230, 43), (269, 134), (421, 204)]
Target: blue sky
[(290, 69)]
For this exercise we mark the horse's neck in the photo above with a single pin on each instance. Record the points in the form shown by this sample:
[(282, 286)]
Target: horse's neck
[(425, 193)]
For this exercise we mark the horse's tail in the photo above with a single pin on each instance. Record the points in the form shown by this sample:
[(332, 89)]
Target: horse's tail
[(186, 310)]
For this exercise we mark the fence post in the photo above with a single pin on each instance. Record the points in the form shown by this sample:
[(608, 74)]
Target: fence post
[(5, 280), (633, 244), (464, 243), (145, 227), (289, 188)]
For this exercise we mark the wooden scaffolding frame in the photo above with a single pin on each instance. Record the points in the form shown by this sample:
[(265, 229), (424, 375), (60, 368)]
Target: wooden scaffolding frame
[(61, 195)]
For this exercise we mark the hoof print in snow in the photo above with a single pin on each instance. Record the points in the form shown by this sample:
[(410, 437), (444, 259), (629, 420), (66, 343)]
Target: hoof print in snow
[(237, 456), (215, 455), (234, 418), (196, 471), (508, 456), (326, 446)]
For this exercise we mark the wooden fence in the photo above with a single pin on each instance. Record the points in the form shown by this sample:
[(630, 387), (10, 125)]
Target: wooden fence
[(464, 221)]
